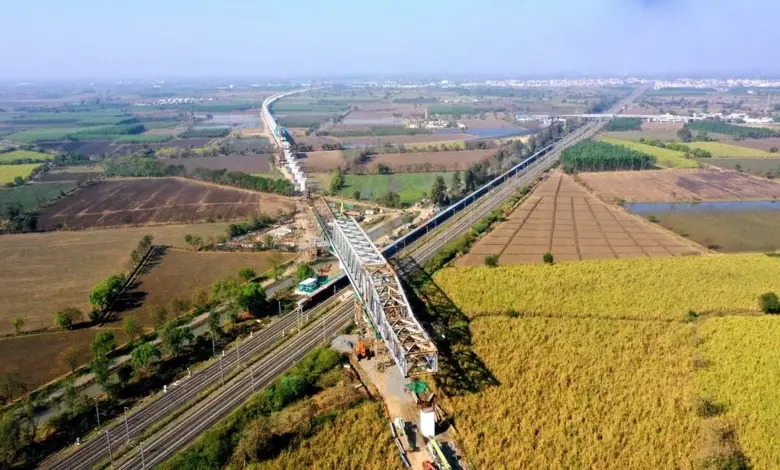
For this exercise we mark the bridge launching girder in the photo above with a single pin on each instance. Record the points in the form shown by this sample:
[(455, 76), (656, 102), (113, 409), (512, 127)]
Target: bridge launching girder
[(379, 291)]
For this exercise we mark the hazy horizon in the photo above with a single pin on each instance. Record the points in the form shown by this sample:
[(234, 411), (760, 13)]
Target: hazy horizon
[(87, 39)]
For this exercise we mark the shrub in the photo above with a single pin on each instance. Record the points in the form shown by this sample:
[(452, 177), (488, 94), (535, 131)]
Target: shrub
[(691, 316), (548, 258), (769, 303), (491, 260), (706, 408), (511, 313)]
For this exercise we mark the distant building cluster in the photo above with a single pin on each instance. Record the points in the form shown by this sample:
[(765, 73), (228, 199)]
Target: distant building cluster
[(170, 101), (716, 83)]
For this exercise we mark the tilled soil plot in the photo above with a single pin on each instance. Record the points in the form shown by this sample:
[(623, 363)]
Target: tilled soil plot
[(680, 185), (562, 218), (156, 201)]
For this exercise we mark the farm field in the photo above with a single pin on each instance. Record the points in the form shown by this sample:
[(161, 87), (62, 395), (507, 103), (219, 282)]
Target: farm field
[(156, 201), (561, 217), (754, 166), (665, 158), (245, 163), (23, 356), (565, 387), (580, 393), (31, 196), (69, 174), (411, 187), (9, 172), (356, 438), (178, 274), (743, 374), (662, 131), (24, 154), (727, 231), (369, 141), (679, 185), (613, 288), (761, 144), (721, 150), (400, 162), (45, 272)]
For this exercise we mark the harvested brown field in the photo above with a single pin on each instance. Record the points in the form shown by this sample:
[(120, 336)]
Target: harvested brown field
[(144, 201), (178, 274), (318, 162), (255, 163), (45, 272), (562, 218), (23, 356), (680, 185), (369, 141), (662, 126), (763, 144)]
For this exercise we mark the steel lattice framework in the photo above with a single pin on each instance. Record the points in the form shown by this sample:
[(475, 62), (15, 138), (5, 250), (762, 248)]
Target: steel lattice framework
[(380, 293)]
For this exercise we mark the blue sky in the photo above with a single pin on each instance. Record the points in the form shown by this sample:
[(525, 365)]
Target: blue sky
[(261, 38)]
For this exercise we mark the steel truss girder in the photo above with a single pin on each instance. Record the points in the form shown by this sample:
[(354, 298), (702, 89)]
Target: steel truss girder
[(379, 291)]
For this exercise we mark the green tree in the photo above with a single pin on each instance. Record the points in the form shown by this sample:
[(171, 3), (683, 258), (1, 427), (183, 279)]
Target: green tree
[(144, 357), (548, 258), (215, 321), (247, 274), (382, 169), (277, 272), (107, 292), (456, 184), (356, 195), (439, 191), (63, 319), (159, 316), (685, 134), (491, 261), (224, 290), (10, 387), (268, 242), (200, 298), (304, 271), (123, 374), (101, 369), (104, 343), (31, 417), (252, 298), (132, 328), (11, 439), (173, 338), (72, 356), (336, 181), (179, 307), (18, 323)]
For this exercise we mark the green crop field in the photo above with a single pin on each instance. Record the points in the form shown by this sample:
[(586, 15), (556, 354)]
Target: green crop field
[(42, 134), (410, 186), (641, 288), (30, 196), (727, 231), (9, 172), (665, 158), (24, 154), (721, 150)]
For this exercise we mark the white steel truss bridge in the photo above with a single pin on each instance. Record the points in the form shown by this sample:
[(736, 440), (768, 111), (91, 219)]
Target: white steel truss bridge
[(379, 292)]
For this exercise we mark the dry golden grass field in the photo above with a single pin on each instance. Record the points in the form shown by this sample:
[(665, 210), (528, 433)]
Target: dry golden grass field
[(44, 272)]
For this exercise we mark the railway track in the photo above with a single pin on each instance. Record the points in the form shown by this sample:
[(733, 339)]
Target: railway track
[(221, 403), (178, 395)]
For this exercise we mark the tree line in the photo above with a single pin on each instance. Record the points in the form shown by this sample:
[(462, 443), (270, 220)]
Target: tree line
[(624, 124), (151, 167), (601, 156), (739, 132), (689, 152)]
